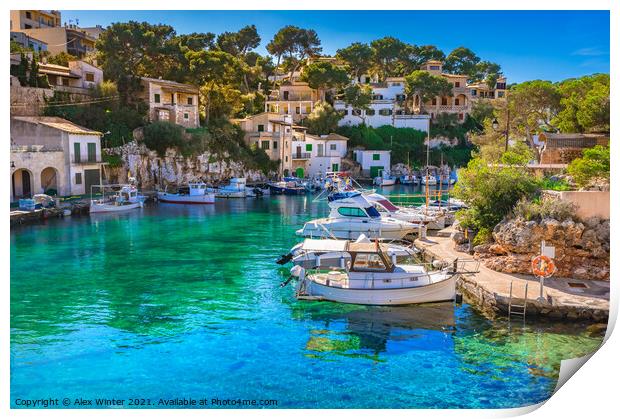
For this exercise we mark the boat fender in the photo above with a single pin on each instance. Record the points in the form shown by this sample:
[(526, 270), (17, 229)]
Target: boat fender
[(284, 259)]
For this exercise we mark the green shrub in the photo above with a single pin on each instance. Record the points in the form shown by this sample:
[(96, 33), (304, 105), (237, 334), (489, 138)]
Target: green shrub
[(491, 192), (593, 164), (483, 236), (113, 160), (162, 135), (554, 184), (547, 207)]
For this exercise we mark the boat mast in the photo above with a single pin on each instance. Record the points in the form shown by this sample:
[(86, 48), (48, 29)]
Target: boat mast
[(440, 179), (428, 148)]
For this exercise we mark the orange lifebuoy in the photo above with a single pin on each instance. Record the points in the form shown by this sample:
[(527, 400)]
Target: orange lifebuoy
[(543, 266)]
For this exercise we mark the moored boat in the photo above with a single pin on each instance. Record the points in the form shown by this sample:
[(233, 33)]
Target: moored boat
[(370, 277), (235, 189), (193, 193), (125, 198)]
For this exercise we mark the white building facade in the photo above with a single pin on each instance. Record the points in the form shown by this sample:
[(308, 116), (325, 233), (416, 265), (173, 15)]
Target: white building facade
[(373, 162), (315, 155), (53, 155), (386, 108)]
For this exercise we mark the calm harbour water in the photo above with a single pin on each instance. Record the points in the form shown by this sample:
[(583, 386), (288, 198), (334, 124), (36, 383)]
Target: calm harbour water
[(183, 301)]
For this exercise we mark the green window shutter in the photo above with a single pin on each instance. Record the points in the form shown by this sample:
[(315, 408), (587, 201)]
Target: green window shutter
[(77, 158), (92, 152), (78, 178), (157, 98), (334, 167), (376, 156), (308, 147)]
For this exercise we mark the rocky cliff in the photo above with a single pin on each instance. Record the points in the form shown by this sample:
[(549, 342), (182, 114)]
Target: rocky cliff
[(150, 170), (581, 248)]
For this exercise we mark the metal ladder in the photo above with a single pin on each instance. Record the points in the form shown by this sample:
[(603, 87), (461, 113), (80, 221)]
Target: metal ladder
[(517, 309)]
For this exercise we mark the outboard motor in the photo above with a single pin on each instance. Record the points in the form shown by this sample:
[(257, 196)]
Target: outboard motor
[(285, 259)]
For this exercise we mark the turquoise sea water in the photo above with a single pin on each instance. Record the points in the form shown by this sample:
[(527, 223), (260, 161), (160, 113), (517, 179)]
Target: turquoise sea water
[(176, 301)]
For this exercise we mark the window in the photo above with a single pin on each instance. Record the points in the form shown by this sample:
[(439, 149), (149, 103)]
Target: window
[(275, 145), (368, 261), (351, 212), (77, 153), (28, 15), (297, 110), (400, 98), (90, 77), (444, 101), (461, 116), (261, 128), (356, 112), (501, 86), (434, 67), (376, 156), (78, 178), (26, 26), (457, 84), (186, 116), (157, 98), (190, 100), (370, 112), (434, 101), (333, 147), (286, 159), (396, 84), (500, 94), (377, 97), (285, 95), (308, 147), (92, 152), (385, 112), (473, 92), (456, 102), (264, 145), (344, 112)]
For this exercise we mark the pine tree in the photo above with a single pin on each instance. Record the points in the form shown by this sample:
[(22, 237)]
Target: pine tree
[(33, 79), (22, 70)]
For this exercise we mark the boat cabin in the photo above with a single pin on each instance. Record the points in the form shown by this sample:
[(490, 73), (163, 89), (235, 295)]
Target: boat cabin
[(369, 257), (193, 189)]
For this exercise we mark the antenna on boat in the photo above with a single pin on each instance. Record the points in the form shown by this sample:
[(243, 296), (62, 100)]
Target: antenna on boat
[(440, 180)]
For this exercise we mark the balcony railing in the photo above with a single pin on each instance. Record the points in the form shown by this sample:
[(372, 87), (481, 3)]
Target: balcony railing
[(301, 156), (85, 161)]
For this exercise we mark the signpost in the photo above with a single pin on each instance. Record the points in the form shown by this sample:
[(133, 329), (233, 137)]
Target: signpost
[(544, 267)]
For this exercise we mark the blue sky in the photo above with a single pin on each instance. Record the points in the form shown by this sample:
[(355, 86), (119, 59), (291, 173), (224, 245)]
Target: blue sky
[(550, 45)]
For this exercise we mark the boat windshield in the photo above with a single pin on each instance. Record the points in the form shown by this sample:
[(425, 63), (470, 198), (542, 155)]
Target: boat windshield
[(372, 212), (351, 212), (388, 205)]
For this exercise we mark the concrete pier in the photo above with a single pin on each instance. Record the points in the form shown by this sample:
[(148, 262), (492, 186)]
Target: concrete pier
[(489, 291)]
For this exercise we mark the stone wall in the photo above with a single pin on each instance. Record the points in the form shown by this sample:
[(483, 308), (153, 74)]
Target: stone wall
[(581, 248), (27, 101), (150, 170)]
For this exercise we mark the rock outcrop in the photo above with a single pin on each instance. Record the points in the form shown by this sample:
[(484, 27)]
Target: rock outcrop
[(150, 170), (581, 248)]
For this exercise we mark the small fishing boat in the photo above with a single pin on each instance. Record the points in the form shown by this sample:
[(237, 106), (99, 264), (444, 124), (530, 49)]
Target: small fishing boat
[(407, 179), (288, 186), (351, 215), (193, 193), (312, 253), (385, 179), (429, 180), (371, 277), (235, 189), (123, 199)]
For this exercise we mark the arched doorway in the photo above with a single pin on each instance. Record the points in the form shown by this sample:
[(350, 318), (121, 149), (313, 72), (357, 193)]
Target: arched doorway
[(22, 183), (49, 181)]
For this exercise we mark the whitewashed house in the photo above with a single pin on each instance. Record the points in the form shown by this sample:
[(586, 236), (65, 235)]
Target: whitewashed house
[(51, 154), (373, 161), (314, 155)]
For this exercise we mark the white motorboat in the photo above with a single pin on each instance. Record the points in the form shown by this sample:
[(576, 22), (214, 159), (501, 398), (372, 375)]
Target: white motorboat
[(352, 215), (193, 193), (429, 180), (235, 189), (125, 198), (371, 277), (312, 253), (388, 209), (385, 179)]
